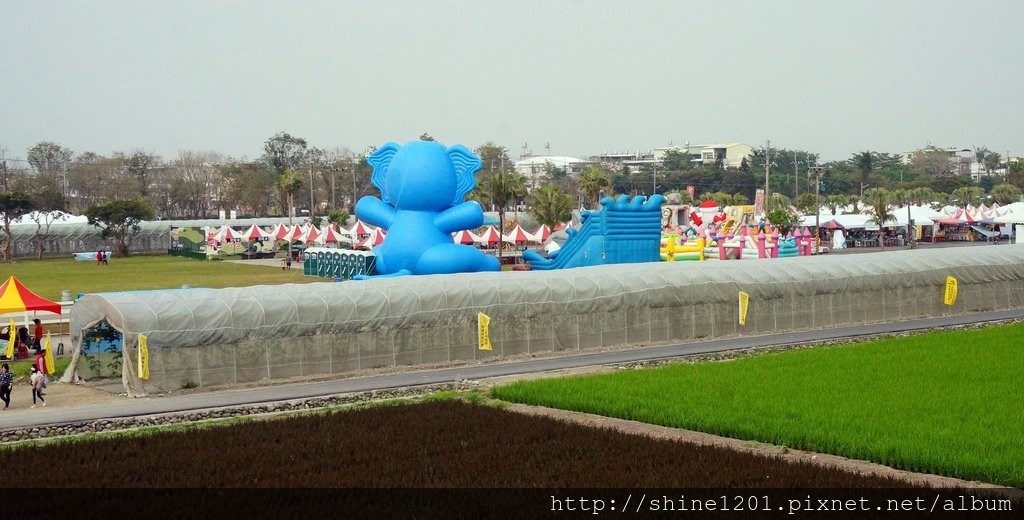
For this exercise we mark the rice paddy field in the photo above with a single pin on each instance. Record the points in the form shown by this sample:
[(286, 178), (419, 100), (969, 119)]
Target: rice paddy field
[(943, 402), (437, 443)]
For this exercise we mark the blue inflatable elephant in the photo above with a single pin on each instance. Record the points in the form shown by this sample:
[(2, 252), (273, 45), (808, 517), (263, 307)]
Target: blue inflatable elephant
[(422, 186)]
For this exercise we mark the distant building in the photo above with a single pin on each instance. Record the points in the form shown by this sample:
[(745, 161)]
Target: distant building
[(536, 168), (730, 155)]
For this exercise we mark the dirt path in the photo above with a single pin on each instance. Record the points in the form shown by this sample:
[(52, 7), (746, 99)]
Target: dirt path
[(58, 395)]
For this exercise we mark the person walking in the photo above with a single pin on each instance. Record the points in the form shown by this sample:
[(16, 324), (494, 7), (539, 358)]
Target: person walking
[(6, 380), (38, 384), (106, 256), (99, 257), (40, 362)]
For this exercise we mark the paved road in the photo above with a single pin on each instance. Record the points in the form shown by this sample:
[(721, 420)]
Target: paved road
[(150, 406)]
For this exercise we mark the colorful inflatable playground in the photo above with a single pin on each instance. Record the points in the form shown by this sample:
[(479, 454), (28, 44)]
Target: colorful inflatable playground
[(421, 208)]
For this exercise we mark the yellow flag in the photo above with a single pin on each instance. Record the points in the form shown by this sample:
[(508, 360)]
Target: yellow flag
[(483, 329), (950, 296), (744, 302), (143, 357), (50, 368), (10, 340)]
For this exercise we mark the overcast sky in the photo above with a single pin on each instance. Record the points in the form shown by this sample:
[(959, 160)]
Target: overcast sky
[(585, 76)]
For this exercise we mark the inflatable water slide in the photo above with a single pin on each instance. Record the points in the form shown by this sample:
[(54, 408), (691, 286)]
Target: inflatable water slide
[(623, 231)]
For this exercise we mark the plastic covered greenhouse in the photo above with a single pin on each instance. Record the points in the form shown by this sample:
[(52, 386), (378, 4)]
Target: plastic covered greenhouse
[(239, 335)]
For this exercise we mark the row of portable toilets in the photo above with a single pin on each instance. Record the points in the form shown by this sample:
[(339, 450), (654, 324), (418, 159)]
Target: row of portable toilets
[(339, 264)]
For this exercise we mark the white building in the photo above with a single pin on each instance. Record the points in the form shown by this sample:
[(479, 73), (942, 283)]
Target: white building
[(535, 168)]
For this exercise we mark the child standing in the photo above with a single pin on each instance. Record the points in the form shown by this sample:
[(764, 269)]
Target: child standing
[(38, 384), (6, 379)]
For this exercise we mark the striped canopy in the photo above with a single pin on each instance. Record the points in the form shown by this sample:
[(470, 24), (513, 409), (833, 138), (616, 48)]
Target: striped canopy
[(15, 297)]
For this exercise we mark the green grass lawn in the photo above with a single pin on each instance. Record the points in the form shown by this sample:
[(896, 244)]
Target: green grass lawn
[(943, 402), (48, 278)]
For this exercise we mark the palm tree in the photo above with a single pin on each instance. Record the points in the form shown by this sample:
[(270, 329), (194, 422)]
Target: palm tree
[(289, 183), (879, 199), (740, 199), (502, 188), (722, 198), (834, 202), (967, 195), (992, 162), (592, 183), (550, 205), (1005, 193), (922, 195)]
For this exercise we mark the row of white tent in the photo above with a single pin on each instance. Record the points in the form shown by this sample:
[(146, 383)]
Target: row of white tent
[(924, 216)]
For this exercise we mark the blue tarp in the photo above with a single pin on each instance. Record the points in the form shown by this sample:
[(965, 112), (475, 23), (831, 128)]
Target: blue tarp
[(987, 232)]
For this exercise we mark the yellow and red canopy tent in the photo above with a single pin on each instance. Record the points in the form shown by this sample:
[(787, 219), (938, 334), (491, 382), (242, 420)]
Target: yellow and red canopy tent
[(15, 297)]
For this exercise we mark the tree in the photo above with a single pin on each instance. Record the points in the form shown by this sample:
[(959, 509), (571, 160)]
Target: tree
[(13, 204), (550, 205), (503, 188), (51, 160), (138, 166), (247, 186), (834, 202), (1005, 193), (49, 205), (119, 219), (289, 183), (284, 151), (967, 196), (980, 152), (783, 219), (991, 162), (195, 182), (592, 183), (932, 163), (338, 217), (864, 162), (493, 158), (805, 202), (879, 200)]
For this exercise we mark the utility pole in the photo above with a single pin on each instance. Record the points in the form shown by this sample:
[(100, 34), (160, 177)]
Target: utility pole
[(767, 169), (817, 205), (654, 187), (796, 178)]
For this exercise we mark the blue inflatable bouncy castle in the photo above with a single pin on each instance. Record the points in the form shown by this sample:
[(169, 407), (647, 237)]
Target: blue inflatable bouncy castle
[(422, 186)]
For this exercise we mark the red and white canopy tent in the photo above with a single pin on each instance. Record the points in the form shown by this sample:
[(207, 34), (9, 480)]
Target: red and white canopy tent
[(359, 229), (542, 233), (294, 234), (309, 235), (490, 236), (254, 233), (226, 234), (375, 239), (280, 232), (328, 235), (517, 236), (465, 237)]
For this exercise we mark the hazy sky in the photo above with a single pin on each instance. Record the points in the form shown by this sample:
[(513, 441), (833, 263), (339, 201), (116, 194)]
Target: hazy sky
[(833, 77)]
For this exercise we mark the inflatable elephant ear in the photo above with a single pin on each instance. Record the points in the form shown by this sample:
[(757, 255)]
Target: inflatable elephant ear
[(380, 160), (466, 165)]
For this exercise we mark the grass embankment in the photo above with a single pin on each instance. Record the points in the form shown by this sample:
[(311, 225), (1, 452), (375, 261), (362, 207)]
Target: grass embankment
[(49, 277), (20, 369), (944, 402), (439, 443)]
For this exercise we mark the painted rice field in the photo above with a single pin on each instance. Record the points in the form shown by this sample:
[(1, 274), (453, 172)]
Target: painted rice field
[(942, 402)]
